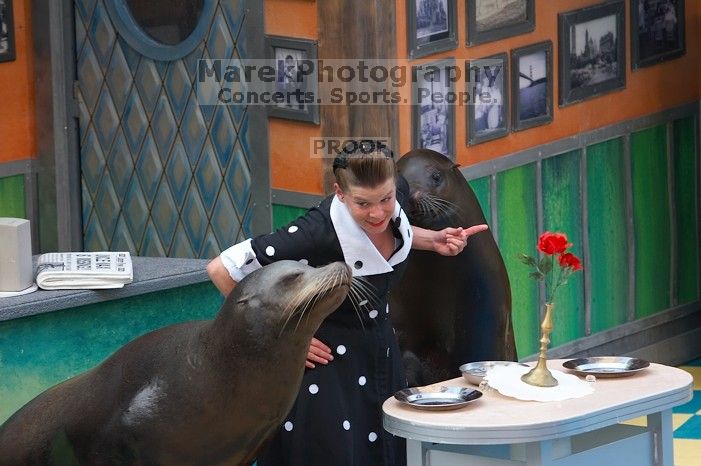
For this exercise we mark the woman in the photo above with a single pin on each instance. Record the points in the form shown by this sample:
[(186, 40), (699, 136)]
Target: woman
[(353, 364)]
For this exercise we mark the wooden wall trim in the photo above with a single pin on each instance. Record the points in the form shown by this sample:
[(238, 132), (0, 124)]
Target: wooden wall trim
[(17, 167), (353, 30), (58, 160), (578, 142), (295, 199)]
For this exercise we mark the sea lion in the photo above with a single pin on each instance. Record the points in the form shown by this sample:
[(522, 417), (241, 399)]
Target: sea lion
[(197, 393), (449, 310)]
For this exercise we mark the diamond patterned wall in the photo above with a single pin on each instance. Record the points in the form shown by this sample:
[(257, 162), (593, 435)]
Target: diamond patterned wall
[(161, 175)]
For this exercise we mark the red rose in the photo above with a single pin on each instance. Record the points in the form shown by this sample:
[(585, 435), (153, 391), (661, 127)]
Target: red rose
[(553, 243), (570, 260)]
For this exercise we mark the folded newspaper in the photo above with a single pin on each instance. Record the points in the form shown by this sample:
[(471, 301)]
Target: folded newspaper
[(84, 270)]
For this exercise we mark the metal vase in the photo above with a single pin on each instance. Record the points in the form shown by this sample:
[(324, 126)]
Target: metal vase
[(540, 376)]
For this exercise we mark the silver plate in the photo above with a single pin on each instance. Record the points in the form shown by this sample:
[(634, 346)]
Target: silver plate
[(437, 399), (606, 366), (473, 372)]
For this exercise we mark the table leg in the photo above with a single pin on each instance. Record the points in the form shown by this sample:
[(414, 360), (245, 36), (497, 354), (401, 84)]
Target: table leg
[(660, 424), (415, 454), (547, 452)]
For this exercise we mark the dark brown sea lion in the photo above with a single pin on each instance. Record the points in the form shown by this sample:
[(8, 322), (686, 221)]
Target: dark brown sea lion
[(197, 393), (449, 310)]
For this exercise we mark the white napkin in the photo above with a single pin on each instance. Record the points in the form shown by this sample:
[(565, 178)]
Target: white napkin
[(507, 381)]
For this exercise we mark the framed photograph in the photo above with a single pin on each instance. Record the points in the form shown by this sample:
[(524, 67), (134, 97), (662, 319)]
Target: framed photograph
[(657, 32), (291, 84), (7, 31), (532, 85), (433, 109), (592, 51), (431, 27), (489, 20), (487, 111)]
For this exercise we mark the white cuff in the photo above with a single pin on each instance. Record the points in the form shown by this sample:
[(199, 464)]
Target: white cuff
[(240, 260)]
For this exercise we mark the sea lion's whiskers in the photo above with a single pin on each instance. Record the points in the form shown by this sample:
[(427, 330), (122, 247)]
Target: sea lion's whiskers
[(419, 199), (421, 204), (427, 204), (443, 202), (289, 310), (306, 299), (440, 207), (431, 207), (439, 201), (366, 289), (355, 298), (308, 296), (293, 305), (428, 208), (365, 282), (325, 284)]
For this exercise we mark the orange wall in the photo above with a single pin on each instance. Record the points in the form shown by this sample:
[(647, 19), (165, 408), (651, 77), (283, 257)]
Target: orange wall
[(17, 130), (291, 166), (647, 91)]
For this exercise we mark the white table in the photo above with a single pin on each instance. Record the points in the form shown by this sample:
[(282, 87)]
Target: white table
[(499, 431)]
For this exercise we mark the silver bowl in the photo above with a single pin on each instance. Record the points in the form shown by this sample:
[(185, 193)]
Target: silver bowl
[(606, 366), (437, 398), (474, 372)]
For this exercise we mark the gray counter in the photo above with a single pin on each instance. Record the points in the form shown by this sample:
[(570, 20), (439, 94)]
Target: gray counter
[(150, 274)]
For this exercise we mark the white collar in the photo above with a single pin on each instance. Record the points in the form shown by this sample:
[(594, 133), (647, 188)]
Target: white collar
[(358, 251)]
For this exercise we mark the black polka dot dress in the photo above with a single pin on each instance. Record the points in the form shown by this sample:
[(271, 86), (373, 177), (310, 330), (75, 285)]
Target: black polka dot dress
[(337, 417)]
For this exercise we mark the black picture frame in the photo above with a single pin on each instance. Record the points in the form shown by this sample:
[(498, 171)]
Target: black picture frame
[(503, 19), (532, 85), (285, 53), (657, 33), (7, 31), (592, 51), (433, 107), (431, 27), (488, 88)]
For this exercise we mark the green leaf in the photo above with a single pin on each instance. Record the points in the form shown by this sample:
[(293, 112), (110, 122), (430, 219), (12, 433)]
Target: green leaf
[(546, 264), (536, 275), (528, 260)]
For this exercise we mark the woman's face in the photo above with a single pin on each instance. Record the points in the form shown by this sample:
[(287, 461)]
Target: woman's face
[(371, 208)]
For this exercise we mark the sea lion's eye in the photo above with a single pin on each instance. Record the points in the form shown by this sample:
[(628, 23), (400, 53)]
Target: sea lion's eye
[(243, 299), (291, 278), (436, 177)]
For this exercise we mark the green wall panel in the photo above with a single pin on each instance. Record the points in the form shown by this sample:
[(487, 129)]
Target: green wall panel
[(516, 217), (12, 202), (283, 214), (39, 351), (651, 218), (481, 186), (562, 212), (607, 234), (685, 198)]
